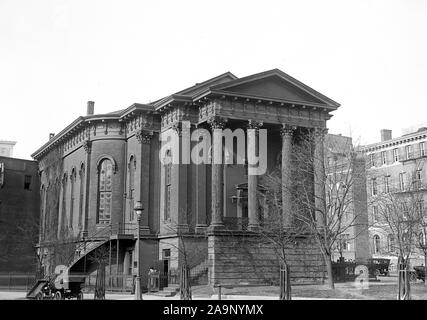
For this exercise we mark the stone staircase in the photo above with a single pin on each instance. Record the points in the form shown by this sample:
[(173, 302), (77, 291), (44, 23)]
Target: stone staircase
[(169, 291), (198, 274)]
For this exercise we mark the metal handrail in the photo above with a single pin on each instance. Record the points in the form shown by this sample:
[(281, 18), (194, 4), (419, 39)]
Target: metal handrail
[(102, 235)]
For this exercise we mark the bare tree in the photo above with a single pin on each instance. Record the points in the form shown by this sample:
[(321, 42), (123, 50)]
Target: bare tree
[(400, 216), (100, 257), (274, 231), (188, 258), (329, 215)]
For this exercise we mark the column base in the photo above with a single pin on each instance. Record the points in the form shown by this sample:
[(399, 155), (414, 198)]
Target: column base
[(182, 228), (201, 228), (144, 230), (253, 227), (216, 226)]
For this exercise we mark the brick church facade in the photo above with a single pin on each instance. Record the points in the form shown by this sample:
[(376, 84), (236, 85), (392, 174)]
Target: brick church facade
[(95, 169)]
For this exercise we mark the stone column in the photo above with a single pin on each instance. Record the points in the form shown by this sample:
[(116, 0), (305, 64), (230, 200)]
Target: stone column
[(217, 125), (201, 197), (179, 196), (253, 208), (144, 138), (87, 146), (286, 132), (319, 175)]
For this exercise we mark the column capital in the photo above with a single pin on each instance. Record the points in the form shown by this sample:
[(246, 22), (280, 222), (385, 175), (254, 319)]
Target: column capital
[(287, 130), (144, 136), (320, 132), (254, 124), (217, 122)]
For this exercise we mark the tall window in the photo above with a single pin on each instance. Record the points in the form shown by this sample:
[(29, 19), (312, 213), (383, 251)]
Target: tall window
[(375, 217), (418, 179), (396, 155), (72, 183), (27, 182), (402, 181), (377, 243), (408, 150), (81, 196), (372, 159), (105, 189), (168, 184), (423, 149), (132, 167), (383, 157), (387, 184), (374, 186)]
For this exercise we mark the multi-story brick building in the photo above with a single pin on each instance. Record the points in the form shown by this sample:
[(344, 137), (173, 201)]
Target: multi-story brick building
[(19, 214), (349, 167), (395, 165), (94, 170)]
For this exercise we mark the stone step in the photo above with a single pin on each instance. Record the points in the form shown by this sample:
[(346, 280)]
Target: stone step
[(164, 294), (168, 289)]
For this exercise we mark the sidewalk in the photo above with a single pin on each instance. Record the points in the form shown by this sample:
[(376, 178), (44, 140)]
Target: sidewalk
[(20, 295)]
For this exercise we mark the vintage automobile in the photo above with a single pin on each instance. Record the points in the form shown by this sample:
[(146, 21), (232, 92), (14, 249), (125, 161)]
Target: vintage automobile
[(420, 272), (380, 265), (55, 288)]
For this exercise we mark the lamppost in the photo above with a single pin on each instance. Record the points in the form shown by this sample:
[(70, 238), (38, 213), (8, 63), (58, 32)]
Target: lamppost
[(138, 210)]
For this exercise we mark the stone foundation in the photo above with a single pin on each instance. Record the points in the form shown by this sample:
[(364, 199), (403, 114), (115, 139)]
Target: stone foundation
[(244, 257)]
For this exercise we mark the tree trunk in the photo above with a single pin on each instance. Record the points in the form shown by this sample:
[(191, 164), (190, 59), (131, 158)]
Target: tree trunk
[(425, 268), (404, 286), (100, 283), (328, 264), (285, 282), (185, 285)]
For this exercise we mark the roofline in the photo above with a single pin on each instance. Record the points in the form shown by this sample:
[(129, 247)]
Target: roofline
[(87, 119), (284, 75), (394, 140)]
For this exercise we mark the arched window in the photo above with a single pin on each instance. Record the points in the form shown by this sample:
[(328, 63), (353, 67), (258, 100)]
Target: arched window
[(131, 192), (81, 194), (72, 183), (168, 184), (377, 244), (105, 189), (390, 243)]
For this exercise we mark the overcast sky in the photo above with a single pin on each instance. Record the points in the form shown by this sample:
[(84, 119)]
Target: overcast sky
[(370, 56)]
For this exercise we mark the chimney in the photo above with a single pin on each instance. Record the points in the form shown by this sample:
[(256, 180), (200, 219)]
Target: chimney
[(51, 135), (385, 135), (90, 108)]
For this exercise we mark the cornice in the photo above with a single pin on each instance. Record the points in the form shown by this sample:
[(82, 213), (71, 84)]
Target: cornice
[(416, 136)]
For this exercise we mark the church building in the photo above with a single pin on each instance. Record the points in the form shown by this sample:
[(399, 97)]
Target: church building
[(94, 172)]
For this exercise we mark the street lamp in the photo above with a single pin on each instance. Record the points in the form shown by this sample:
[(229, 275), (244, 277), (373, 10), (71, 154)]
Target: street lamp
[(138, 210)]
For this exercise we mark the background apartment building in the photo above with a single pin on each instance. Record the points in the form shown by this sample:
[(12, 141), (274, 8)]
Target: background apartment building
[(395, 165)]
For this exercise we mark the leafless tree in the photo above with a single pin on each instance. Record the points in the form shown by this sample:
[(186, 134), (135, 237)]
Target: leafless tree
[(188, 258), (400, 215), (100, 257), (330, 215), (274, 231)]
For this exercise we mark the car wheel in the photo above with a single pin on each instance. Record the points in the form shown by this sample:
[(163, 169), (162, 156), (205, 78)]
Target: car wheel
[(39, 296), (80, 296), (58, 295)]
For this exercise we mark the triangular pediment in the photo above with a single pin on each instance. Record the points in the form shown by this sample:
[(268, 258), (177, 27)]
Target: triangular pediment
[(274, 84)]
